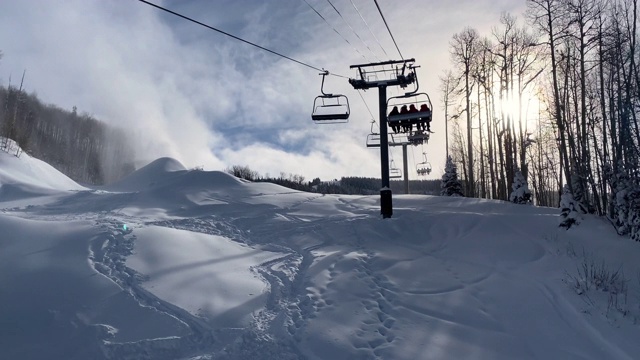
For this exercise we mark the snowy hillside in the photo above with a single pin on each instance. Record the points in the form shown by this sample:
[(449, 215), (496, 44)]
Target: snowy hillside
[(170, 263), (27, 177)]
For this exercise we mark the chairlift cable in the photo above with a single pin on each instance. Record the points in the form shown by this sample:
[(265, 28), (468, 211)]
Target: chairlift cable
[(235, 37), (387, 25), (413, 156), (391, 158), (334, 29), (365, 104), (350, 27), (365, 22)]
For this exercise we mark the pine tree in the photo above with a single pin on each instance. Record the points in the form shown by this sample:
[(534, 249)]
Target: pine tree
[(578, 193), (626, 202), (569, 215), (521, 193), (633, 217), (450, 185)]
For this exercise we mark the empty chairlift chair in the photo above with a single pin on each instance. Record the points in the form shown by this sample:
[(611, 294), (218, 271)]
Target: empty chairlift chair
[(394, 172), (330, 108), (373, 139)]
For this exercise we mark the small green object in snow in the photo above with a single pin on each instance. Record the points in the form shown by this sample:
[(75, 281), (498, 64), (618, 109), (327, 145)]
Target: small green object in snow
[(124, 227)]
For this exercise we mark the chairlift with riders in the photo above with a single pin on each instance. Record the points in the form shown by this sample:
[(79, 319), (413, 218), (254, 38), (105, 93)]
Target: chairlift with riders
[(411, 114), (424, 168)]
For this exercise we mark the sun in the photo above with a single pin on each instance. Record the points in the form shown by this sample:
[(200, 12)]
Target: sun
[(524, 110)]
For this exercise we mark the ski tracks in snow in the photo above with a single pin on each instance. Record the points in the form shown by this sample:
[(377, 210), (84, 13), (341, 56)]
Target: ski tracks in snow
[(108, 252), (376, 331)]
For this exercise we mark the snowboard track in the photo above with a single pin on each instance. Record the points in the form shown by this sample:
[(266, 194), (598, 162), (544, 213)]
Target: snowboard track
[(283, 275)]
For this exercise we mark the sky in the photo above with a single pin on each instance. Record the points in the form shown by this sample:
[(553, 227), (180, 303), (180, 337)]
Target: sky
[(208, 100), (169, 263)]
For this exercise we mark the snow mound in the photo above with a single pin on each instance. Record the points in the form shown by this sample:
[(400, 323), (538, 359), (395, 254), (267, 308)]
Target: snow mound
[(165, 164), (210, 179), (167, 179), (169, 174), (150, 175), (27, 176)]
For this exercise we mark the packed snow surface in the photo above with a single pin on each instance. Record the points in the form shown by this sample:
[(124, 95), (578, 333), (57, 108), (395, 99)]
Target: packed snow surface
[(171, 263)]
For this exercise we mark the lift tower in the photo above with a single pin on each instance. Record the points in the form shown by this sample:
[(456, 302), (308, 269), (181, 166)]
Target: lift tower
[(373, 141), (382, 75)]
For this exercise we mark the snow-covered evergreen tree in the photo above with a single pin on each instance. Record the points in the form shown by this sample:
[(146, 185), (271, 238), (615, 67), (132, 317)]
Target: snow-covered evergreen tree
[(569, 215), (633, 216), (521, 193), (626, 203), (450, 185), (578, 194), (619, 184)]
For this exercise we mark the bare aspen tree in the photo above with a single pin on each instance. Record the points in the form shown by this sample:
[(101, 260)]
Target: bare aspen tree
[(582, 16), (527, 61), (504, 55), (464, 48), (547, 17), (448, 84), (483, 77)]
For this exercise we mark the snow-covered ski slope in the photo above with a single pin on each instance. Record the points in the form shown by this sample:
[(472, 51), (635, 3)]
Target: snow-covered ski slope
[(177, 264)]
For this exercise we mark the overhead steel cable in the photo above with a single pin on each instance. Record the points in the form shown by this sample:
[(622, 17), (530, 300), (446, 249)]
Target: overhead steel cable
[(350, 27), (387, 25), (347, 41), (365, 104), (334, 29), (237, 38), (365, 22), (413, 155)]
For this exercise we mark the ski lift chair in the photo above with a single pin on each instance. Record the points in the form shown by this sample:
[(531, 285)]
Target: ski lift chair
[(330, 108), (418, 138), (394, 172), (411, 109), (373, 139), (424, 168), (419, 115)]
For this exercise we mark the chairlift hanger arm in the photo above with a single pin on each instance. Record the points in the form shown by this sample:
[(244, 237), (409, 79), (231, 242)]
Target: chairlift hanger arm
[(372, 123), (415, 76), (324, 74)]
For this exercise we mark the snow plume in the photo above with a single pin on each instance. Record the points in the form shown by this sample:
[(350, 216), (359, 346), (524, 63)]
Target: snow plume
[(180, 90), (131, 69)]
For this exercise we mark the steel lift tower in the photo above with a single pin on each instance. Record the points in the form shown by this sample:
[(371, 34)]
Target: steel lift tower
[(381, 75)]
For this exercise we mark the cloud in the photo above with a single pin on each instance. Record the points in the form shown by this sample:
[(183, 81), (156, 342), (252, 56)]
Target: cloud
[(205, 99)]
